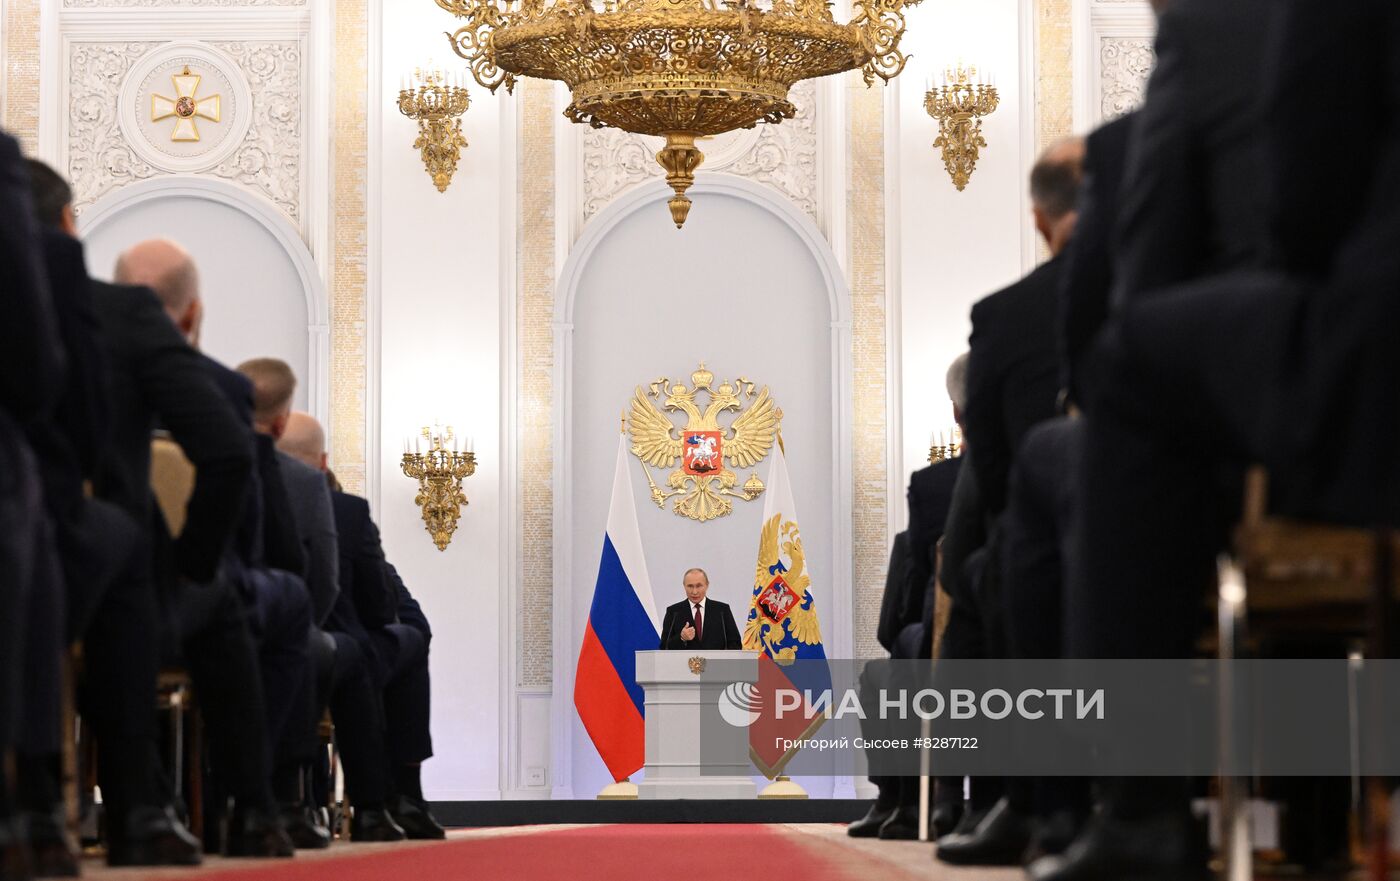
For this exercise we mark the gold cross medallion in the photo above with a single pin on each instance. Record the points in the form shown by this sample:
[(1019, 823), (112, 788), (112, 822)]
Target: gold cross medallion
[(185, 106)]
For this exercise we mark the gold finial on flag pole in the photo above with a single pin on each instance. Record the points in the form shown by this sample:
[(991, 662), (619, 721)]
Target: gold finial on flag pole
[(623, 429), (780, 444)]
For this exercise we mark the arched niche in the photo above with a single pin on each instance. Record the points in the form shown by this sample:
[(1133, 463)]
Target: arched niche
[(751, 287), (262, 291)]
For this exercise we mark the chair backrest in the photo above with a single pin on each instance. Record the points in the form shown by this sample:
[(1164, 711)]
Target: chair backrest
[(172, 481), (942, 603)]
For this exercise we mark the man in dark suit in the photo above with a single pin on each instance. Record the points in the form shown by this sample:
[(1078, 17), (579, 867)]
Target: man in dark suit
[(698, 622), (1194, 185), (407, 709), (1087, 282), (1194, 198), (153, 374), (31, 373), (366, 606), (94, 542), (1205, 374), (905, 630), (214, 630), (1337, 233), (1013, 383), (1013, 368), (266, 560), (875, 677)]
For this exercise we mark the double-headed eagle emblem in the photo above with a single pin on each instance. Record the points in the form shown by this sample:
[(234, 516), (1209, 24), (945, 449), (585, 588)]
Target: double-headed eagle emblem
[(782, 616), (702, 483)]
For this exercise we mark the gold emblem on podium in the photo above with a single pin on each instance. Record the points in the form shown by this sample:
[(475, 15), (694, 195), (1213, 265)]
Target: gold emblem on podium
[(702, 485), (697, 666)]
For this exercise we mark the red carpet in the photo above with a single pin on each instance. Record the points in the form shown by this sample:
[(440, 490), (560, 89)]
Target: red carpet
[(609, 853)]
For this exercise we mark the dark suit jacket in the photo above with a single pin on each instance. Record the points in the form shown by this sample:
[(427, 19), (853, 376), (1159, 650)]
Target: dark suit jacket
[(1013, 375), (368, 599), (1316, 208), (310, 499), (896, 593), (409, 611), (1349, 360), (249, 545), (70, 439), (965, 532), (1195, 186), (720, 630), (155, 374), (930, 501), (1087, 282), (282, 547), (31, 355)]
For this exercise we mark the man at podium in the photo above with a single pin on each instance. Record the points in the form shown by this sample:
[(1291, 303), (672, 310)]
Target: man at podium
[(697, 622)]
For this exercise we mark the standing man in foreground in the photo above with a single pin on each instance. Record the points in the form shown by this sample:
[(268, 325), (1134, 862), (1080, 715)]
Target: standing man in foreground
[(697, 622)]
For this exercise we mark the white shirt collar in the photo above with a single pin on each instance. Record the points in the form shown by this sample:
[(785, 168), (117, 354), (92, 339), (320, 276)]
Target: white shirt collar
[(692, 605)]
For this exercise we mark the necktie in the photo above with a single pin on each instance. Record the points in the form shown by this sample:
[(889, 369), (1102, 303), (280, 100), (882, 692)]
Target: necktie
[(699, 623)]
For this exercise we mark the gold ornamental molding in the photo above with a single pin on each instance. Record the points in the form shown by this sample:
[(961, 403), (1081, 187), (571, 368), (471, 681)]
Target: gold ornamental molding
[(701, 484)]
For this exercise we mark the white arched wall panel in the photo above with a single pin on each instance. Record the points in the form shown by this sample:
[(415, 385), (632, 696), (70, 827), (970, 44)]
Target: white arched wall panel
[(774, 308), (262, 293)]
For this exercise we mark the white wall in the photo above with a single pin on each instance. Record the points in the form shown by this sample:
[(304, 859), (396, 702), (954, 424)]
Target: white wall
[(955, 247), (438, 263)]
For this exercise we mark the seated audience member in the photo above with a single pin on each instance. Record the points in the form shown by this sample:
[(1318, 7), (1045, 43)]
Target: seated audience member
[(902, 631), (31, 376), (279, 611), (348, 687), (1013, 381), (94, 544), (153, 375), (1086, 284), (375, 609), (1013, 377), (1196, 382), (407, 709)]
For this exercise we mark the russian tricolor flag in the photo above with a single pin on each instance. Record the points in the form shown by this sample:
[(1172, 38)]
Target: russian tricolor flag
[(621, 622)]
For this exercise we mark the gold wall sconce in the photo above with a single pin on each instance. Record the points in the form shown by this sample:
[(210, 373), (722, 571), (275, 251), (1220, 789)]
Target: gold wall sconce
[(944, 445), (439, 470), (437, 101), (960, 103)]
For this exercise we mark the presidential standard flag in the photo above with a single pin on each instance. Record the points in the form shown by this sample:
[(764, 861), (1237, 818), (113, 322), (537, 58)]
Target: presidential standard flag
[(621, 621), (782, 624)]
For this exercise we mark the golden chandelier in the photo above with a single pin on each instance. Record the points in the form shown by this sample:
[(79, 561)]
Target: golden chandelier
[(960, 105), (439, 471), (678, 69), (437, 102)]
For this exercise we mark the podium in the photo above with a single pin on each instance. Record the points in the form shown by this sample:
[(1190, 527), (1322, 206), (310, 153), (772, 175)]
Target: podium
[(677, 699)]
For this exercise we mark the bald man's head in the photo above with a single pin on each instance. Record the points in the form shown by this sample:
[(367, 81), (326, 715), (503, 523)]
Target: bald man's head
[(169, 271), (304, 439)]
